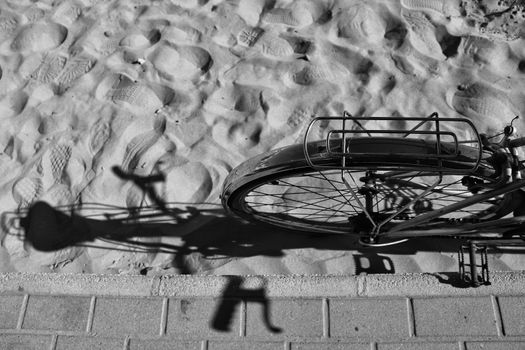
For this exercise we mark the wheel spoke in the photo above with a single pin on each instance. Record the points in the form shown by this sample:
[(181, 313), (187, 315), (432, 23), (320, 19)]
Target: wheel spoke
[(322, 198), (311, 191)]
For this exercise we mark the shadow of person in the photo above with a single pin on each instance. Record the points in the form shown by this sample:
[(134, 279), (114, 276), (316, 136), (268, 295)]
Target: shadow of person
[(232, 296)]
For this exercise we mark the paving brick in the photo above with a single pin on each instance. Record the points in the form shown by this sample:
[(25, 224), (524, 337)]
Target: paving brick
[(495, 345), (330, 346), (66, 313), (370, 318), (25, 342), (216, 345), (513, 314), (418, 346), (288, 315), (465, 316), (89, 343), (163, 344), (9, 310), (123, 316), (204, 317)]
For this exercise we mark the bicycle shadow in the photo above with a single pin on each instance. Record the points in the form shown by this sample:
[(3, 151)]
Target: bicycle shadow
[(453, 279), (209, 231), (202, 231), (371, 263)]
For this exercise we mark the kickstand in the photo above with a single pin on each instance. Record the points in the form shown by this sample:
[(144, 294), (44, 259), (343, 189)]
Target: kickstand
[(473, 275)]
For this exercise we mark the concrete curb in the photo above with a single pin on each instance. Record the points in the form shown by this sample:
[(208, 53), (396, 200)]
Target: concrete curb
[(316, 286)]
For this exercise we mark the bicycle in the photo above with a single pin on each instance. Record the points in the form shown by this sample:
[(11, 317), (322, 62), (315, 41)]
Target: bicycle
[(428, 176)]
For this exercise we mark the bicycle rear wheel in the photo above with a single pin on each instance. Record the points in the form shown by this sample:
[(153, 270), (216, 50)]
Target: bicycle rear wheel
[(281, 189)]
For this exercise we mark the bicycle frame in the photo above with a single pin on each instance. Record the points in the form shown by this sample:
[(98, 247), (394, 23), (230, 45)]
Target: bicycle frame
[(511, 187)]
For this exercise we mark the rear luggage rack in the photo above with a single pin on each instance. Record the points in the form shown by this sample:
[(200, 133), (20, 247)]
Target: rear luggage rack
[(338, 144)]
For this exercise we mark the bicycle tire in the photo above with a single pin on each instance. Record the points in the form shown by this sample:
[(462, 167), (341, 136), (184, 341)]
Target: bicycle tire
[(289, 162)]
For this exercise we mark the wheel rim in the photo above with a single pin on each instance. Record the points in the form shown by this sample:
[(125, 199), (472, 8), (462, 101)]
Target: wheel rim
[(320, 201)]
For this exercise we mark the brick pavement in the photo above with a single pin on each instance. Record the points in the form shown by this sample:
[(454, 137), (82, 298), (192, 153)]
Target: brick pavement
[(321, 312)]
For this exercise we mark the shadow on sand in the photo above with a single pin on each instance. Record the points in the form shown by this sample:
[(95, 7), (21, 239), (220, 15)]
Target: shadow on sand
[(202, 228)]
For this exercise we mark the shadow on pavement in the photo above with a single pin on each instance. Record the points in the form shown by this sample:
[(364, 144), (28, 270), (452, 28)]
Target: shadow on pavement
[(373, 263), (452, 278), (232, 297)]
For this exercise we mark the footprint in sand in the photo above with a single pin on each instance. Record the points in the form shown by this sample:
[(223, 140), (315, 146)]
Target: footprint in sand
[(189, 183), (64, 165), (8, 25), (422, 34), (181, 62), (136, 148), (40, 36), (26, 190), (232, 98), (296, 16), (361, 23), (412, 62), (181, 33), (221, 102), (344, 61), (521, 66), (136, 96), (147, 160), (320, 11), (243, 135), (137, 40), (13, 104), (141, 143), (310, 74), (26, 141), (75, 68), (98, 136), (49, 68), (53, 164), (248, 36), (288, 118), (300, 45), (482, 103), (248, 99), (260, 71), (251, 10), (34, 14), (272, 45), (448, 8), (189, 4), (67, 12), (99, 41), (58, 194), (484, 51)]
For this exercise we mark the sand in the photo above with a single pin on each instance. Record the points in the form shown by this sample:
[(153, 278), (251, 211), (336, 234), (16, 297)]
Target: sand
[(191, 88)]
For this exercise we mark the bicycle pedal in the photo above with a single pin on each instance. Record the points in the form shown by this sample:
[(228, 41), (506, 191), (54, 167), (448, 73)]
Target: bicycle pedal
[(473, 272)]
